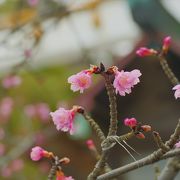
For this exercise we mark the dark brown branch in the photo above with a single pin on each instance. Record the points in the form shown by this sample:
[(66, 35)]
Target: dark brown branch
[(150, 159), (112, 106), (171, 169), (95, 126)]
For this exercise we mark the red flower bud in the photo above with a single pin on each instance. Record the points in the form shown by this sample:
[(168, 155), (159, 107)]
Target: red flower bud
[(146, 128), (140, 135)]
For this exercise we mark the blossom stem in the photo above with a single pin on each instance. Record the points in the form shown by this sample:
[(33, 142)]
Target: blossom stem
[(167, 70), (52, 172), (95, 126), (112, 106), (150, 159)]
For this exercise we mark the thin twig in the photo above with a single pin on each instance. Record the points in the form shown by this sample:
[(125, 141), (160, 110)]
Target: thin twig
[(171, 169), (167, 70), (150, 159), (95, 126)]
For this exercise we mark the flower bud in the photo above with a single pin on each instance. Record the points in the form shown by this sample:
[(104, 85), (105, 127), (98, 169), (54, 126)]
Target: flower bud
[(90, 144), (166, 44), (143, 51), (140, 135), (146, 128)]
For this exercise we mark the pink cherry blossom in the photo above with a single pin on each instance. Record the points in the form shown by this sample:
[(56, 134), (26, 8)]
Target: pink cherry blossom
[(6, 172), (17, 165), (177, 145), (2, 149), (124, 81), (40, 110), (6, 107), (131, 122), (177, 91), (32, 2), (80, 81), (166, 44), (37, 153), (143, 51), (11, 81), (43, 111), (63, 119), (2, 133), (30, 111), (90, 144), (61, 176)]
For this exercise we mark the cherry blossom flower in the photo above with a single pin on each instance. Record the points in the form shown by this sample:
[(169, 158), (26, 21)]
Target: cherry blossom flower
[(143, 51), (2, 149), (177, 91), (177, 145), (6, 107), (90, 144), (40, 110), (37, 153), (2, 133), (166, 44), (11, 81), (17, 165), (63, 119), (32, 2), (131, 122), (124, 81), (60, 176), (6, 172), (80, 81)]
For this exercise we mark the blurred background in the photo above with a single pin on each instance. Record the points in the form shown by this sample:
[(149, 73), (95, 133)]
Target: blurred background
[(43, 42)]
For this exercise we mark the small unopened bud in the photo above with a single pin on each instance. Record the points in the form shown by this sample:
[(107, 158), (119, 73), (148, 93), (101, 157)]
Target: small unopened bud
[(102, 67), (131, 122), (140, 135), (166, 44), (146, 128), (112, 70), (90, 144), (143, 51), (94, 69), (64, 160), (78, 109)]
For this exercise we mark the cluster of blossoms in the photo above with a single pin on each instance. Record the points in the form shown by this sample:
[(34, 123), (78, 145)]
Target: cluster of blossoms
[(39, 110), (143, 52), (9, 170), (123, 81), (137, 128), (37, 153), (11, 81), (6, 108)]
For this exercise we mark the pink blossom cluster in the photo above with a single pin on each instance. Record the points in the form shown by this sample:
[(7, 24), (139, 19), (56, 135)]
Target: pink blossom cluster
[(177, 145), (131, 122), (143, 51), (60, 176), (90, 144), (80, 81), (177, 91), (63, 119), (125, 80), (37, 153), (40, 111), (33, 2), (6, 108), (11, 81), (15, 166)]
